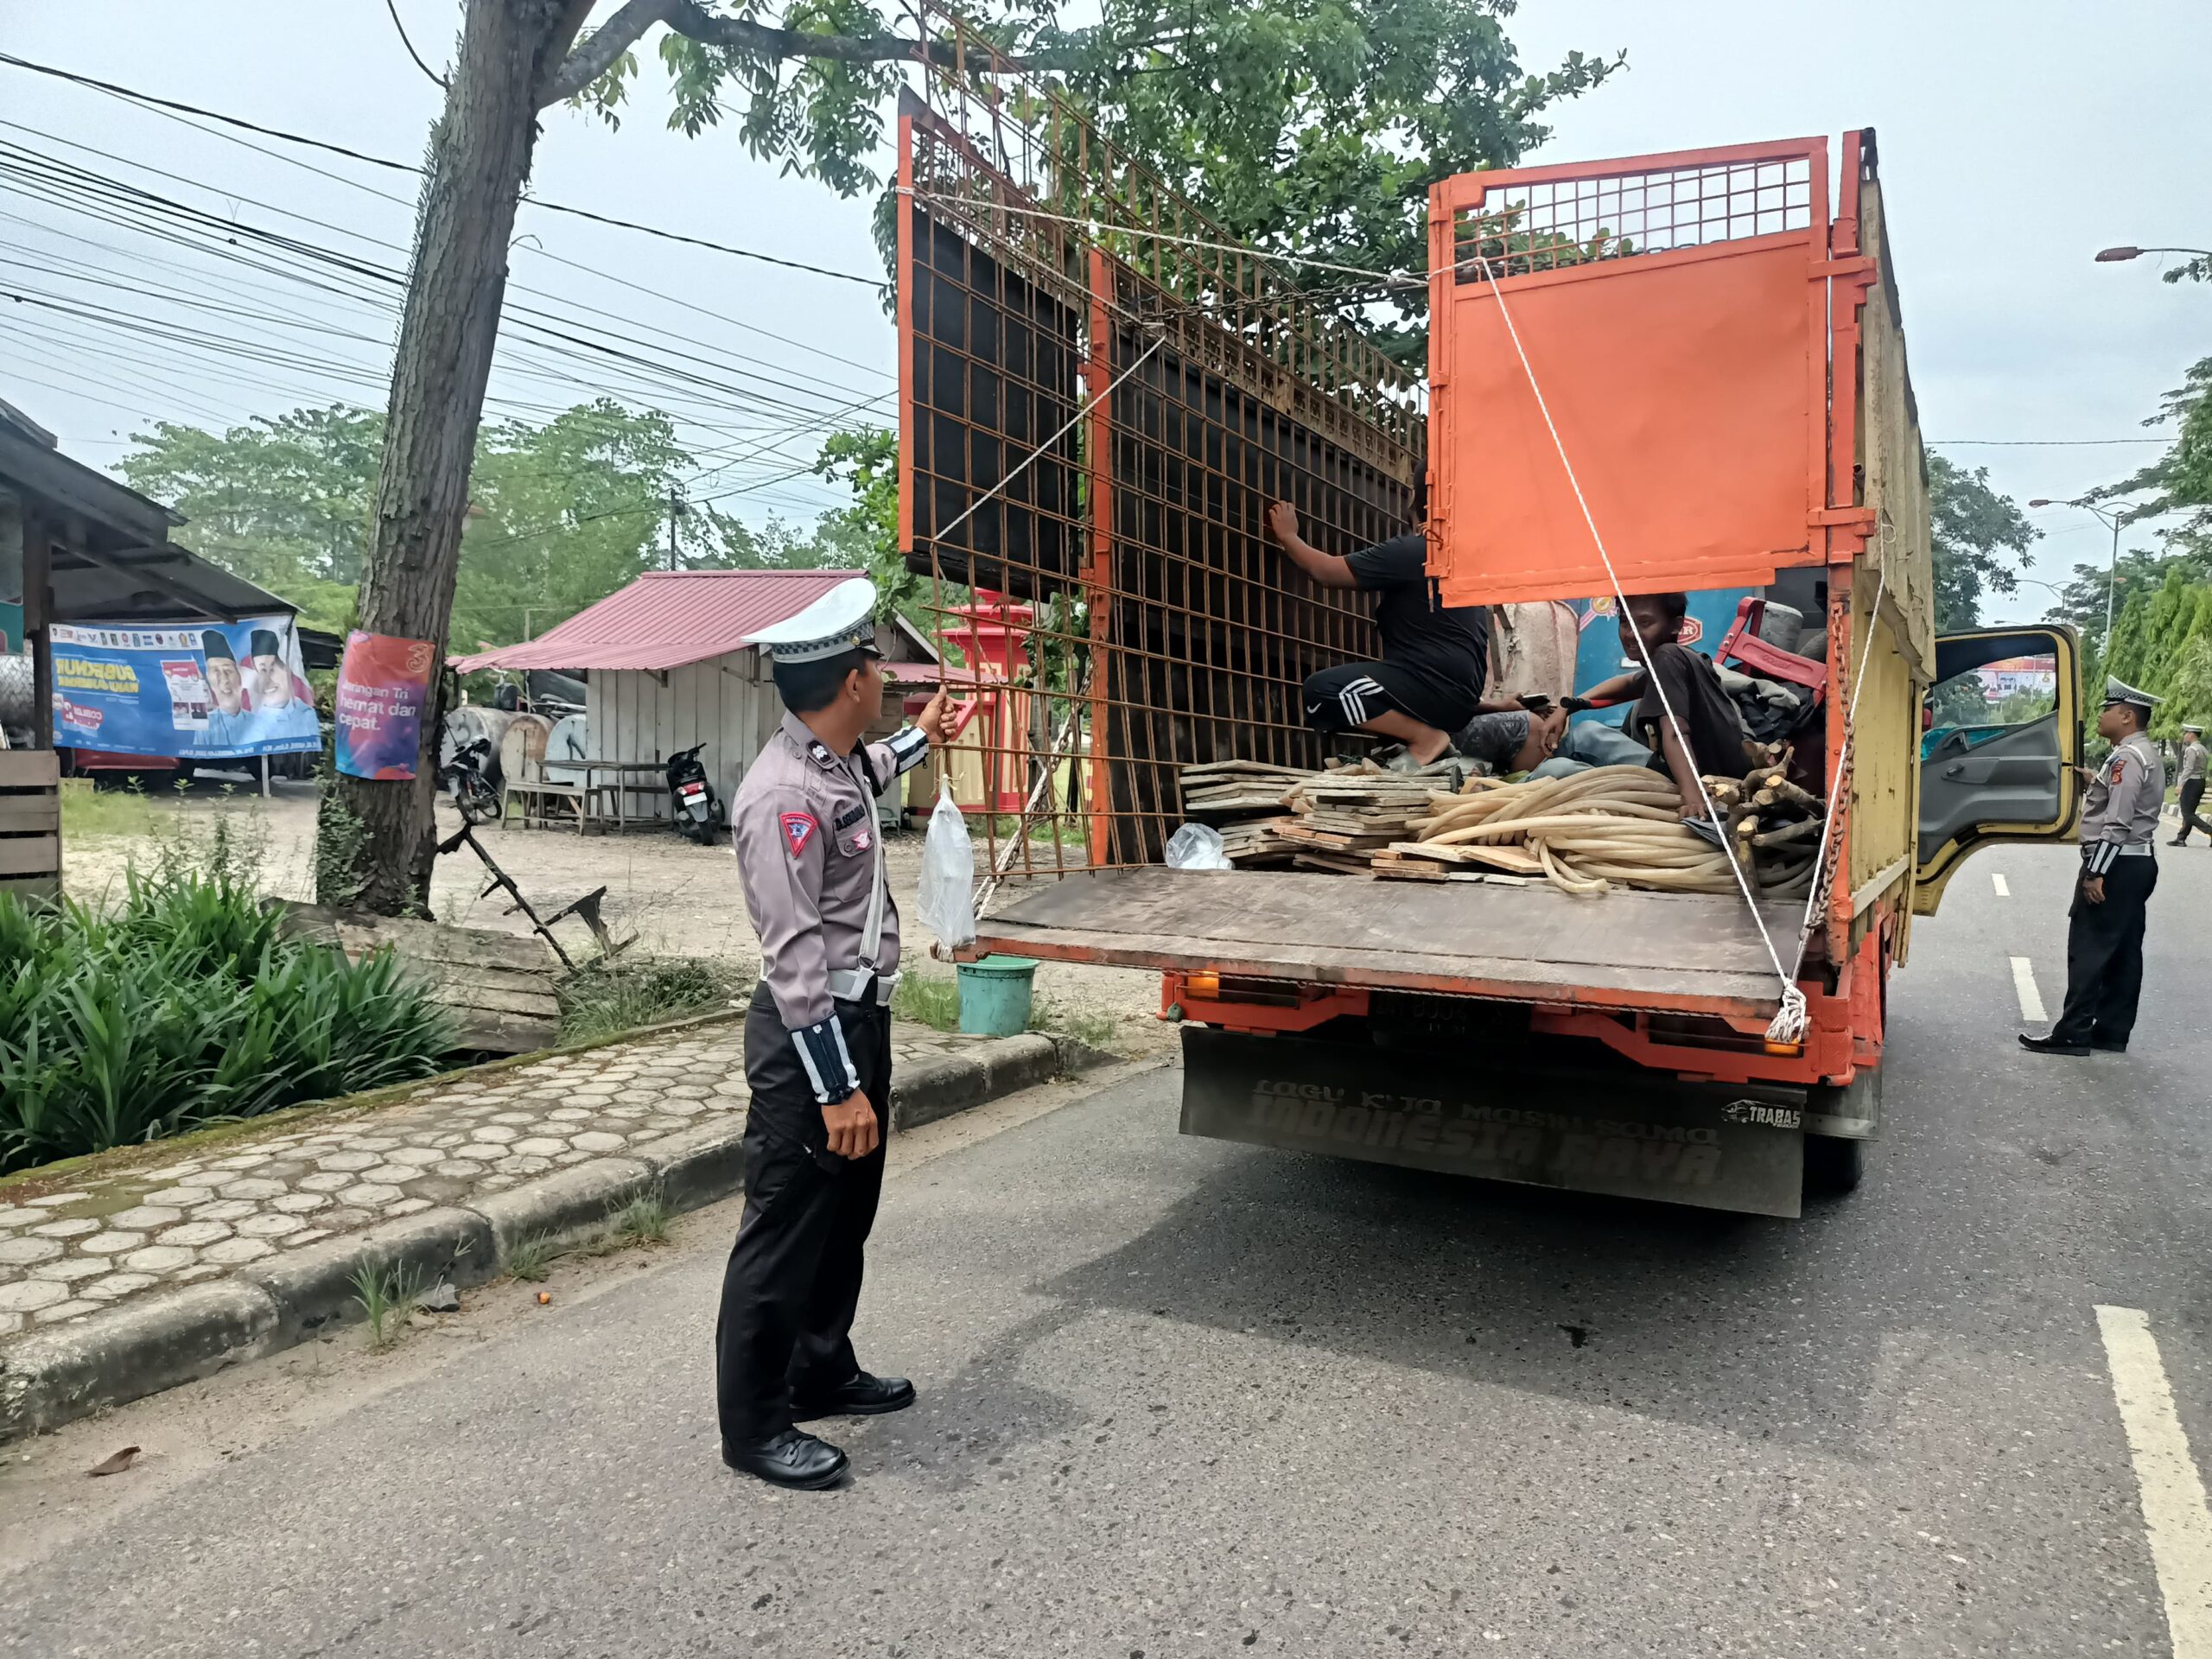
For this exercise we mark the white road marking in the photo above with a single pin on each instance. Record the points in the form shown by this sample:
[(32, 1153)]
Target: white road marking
[(2023, 983), (1998, 881), (2174, 1511)]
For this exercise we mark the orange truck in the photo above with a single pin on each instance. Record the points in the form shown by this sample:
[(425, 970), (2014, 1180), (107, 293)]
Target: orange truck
[(1712, 342)]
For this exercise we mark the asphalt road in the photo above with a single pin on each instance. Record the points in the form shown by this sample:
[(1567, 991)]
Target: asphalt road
[(1181, 1397)]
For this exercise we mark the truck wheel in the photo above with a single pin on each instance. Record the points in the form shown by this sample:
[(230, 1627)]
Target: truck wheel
[(1832, 1165)]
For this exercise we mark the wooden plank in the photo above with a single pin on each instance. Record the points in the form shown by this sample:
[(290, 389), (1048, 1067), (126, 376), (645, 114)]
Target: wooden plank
[(435, 941), (26, 814), (504, 1034), (32, 887), (1659, 951), (29, 769), (31, 854)]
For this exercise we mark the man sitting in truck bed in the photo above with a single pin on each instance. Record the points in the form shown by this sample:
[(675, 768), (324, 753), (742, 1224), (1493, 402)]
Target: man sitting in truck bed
[(1716, 744), (1435, 657)]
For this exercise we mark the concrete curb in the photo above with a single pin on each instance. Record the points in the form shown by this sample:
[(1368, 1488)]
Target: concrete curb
[(54, 1377)]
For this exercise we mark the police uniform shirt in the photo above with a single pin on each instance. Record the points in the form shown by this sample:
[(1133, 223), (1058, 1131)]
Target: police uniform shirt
[(2120, 809), (803, 824), (2192, 761)]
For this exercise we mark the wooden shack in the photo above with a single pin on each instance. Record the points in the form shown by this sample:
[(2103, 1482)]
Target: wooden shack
[(668, 662)]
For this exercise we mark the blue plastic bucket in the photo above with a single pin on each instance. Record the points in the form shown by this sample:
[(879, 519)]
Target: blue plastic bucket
[(994, 996)]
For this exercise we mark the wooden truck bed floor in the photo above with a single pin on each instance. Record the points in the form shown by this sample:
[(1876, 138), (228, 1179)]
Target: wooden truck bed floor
[(1663, 952)]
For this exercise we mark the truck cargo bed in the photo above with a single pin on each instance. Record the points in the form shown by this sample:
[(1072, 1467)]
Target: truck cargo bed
[(1663, 952)]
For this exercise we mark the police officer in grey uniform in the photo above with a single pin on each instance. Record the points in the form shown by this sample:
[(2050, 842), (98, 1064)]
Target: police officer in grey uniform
[(2119, 868), (817, 1045), (2192, 779)]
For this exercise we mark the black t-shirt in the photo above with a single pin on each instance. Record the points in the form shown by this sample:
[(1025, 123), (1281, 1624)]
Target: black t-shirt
[(1448, 645), (1710, 723)]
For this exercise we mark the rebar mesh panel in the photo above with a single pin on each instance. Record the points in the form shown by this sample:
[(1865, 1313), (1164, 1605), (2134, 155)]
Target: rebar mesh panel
[(994, 362), (1212, 628), (1555, 224), (1160, 628)]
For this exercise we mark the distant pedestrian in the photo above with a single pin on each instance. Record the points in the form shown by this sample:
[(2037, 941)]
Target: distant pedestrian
[(2192, 778), (2120, 869)]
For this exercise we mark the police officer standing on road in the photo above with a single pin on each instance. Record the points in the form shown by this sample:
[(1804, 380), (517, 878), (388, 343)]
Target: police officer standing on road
[(2119, 868), (2192, 779), (817, 1045)]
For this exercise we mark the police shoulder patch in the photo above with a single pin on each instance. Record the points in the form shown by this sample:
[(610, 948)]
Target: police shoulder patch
[(799, 829)]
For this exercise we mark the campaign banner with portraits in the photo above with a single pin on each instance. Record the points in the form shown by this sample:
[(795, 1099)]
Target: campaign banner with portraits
[(196, 691)]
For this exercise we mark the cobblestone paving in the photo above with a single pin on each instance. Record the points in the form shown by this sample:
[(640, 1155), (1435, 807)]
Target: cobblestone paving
[(66, 1254)]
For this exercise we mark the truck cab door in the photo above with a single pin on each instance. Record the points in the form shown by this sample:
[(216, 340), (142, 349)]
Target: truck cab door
[(2001, 735)]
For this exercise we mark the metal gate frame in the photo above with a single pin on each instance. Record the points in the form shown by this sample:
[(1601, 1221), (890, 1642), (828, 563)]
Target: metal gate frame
[(1167, 631)]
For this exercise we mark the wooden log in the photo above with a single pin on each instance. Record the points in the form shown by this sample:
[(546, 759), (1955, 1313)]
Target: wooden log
[(1804, 831), (1781, 792)]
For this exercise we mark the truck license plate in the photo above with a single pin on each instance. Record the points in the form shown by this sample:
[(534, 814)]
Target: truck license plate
[(1633, 1136)]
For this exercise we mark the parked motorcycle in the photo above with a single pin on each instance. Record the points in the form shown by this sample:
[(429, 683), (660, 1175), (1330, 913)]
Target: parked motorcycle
[(691, 797), (462, 777)]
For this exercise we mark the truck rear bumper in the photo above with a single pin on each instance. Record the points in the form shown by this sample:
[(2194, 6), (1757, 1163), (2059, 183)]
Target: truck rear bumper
[(1631, 1135)]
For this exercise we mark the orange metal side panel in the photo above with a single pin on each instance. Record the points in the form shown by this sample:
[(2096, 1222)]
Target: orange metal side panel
[(1674, 309), (1678, 382)]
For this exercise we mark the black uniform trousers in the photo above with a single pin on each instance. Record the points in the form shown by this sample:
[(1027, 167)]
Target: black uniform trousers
[(794, 1275), (2192, 794), (2104, 955)]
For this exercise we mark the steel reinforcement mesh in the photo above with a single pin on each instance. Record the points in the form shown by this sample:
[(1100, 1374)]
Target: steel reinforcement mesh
[(1095, 420)]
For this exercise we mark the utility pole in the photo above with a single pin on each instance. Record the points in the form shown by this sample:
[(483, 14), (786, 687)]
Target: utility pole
[(675, 511)]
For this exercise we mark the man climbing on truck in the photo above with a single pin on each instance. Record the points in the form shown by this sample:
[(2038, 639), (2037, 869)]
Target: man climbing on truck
[(1435, 657)]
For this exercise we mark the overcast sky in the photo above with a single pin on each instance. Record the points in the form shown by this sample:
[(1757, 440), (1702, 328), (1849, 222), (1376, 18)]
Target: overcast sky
[(2017, 138)]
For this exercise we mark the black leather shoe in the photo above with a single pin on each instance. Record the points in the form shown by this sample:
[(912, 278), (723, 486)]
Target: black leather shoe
[(788, 1458), (2051, 1045), (864, 1397), (2106, 1046)]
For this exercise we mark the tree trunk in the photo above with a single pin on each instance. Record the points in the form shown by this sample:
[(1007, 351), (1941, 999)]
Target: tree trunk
[(374, 840)]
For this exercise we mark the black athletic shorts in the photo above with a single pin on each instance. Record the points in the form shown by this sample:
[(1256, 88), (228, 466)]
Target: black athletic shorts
[(1347, 696)]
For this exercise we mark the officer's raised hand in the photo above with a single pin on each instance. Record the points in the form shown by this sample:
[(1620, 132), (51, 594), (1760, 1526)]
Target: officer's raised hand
[(851, 1123), (934, 721)]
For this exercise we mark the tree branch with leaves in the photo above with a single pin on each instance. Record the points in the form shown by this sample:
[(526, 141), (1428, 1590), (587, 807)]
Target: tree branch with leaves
[(1311, 126)]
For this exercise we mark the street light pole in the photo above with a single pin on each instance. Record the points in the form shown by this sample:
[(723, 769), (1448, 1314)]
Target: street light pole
[(2116, 520)]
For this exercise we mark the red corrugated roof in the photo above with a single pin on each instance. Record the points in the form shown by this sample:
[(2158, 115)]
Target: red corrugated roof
[(666, 619)]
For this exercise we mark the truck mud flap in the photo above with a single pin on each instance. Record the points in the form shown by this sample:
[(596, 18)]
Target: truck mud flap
[(1630, 1135)]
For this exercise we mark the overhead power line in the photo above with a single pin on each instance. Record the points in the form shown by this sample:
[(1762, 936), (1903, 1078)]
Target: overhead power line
[(2033, 443), (148, 99)]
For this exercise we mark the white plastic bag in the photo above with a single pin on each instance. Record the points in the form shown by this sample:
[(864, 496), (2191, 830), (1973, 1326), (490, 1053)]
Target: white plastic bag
[(947, 900), (1197, 847)]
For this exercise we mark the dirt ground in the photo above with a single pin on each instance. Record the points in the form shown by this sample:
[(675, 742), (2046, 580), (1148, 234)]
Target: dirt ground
[(679, 900)]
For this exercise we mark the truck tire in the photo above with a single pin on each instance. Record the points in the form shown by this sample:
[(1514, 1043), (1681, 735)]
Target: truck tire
[(1833, 1165)]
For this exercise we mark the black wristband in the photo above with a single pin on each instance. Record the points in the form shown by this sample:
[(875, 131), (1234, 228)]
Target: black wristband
[(829, 1066)]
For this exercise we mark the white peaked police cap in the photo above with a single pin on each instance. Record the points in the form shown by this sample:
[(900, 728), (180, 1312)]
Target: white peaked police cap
[(2120, 691), (842, 620)]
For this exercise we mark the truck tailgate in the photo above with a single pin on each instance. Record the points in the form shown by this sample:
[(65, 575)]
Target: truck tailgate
[(1664, 952)]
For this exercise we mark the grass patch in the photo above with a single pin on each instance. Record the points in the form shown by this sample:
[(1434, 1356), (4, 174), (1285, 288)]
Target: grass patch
[(1092, 1030), (1043, 831), (934, 1001), (609, 996), (88, 810), (531, 1258), (385, 1295), (643, 1220)]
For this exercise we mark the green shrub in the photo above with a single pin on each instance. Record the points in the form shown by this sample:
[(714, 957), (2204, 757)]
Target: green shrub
[(183, 1006)]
